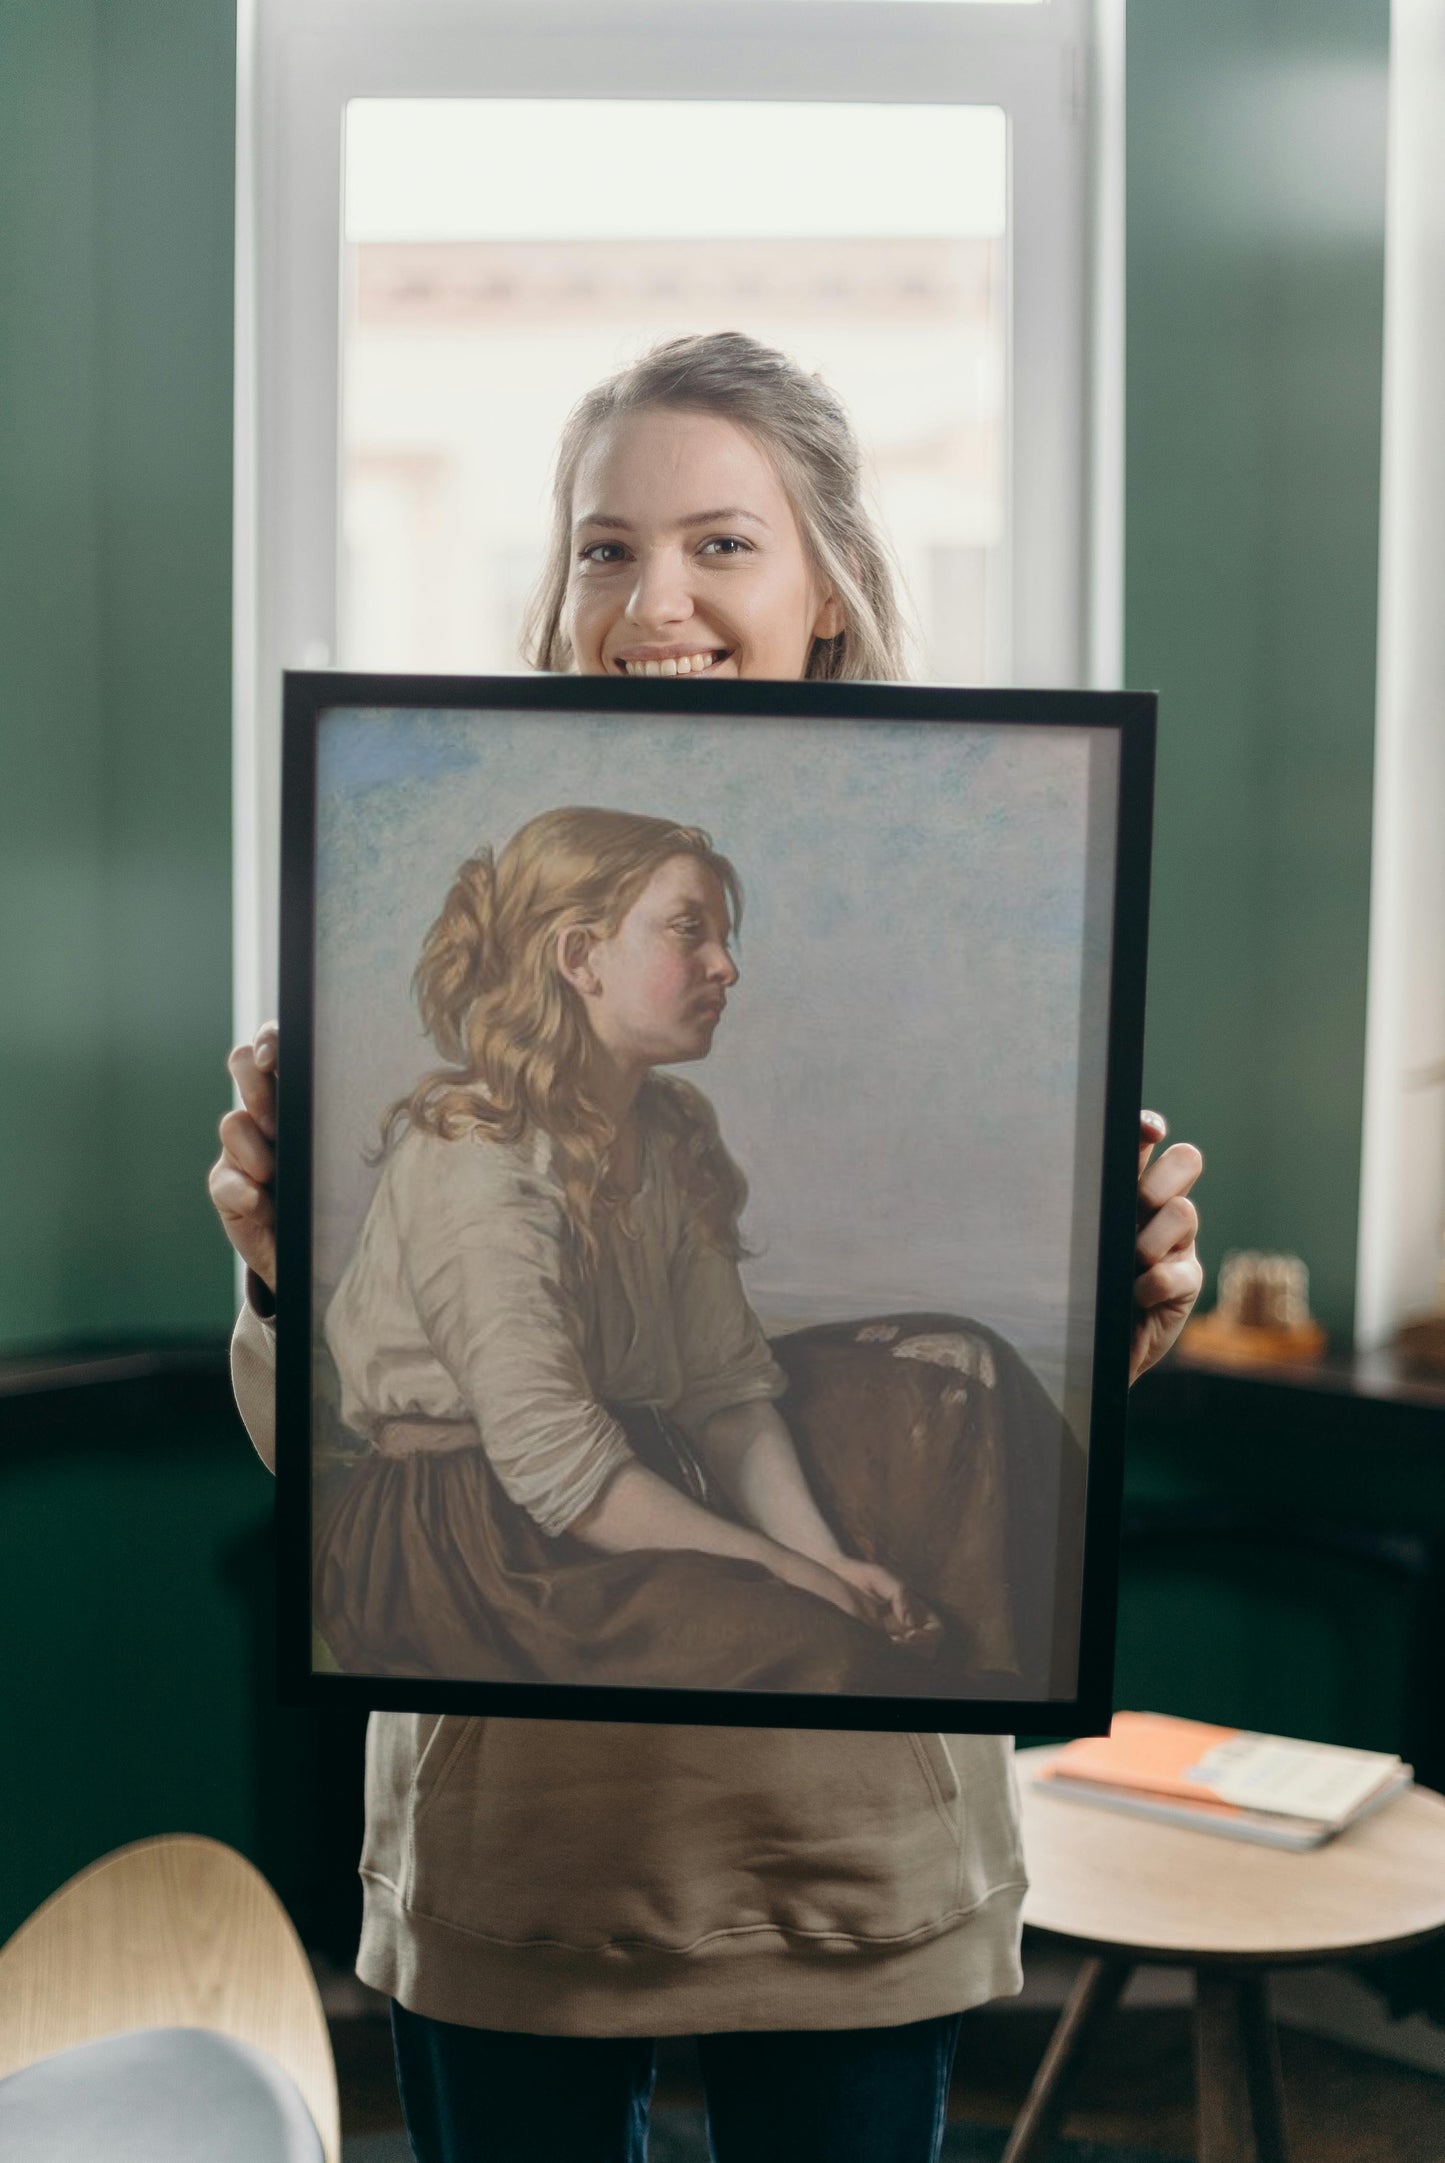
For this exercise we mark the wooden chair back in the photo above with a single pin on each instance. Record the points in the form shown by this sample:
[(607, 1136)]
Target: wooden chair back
[(175, 1932)]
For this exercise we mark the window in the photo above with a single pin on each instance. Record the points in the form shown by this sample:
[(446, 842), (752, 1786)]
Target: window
[(1402, 1189), (449, 211), (502, 255)]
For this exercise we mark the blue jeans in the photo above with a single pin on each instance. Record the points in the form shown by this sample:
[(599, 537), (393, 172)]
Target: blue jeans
[(845, 2095)]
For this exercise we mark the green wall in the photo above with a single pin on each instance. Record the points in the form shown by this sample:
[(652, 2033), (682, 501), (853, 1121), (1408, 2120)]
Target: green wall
[(131, 1539), (133, 1553), (116, 158), (1296, 1633), (1255, 271), (53, 1158)]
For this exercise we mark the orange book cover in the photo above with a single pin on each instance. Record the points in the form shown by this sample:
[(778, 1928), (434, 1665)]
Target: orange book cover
[(1228, 1767), (1146, 1750)]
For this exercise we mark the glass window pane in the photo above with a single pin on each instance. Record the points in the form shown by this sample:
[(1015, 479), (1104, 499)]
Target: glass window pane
[(503, 256)]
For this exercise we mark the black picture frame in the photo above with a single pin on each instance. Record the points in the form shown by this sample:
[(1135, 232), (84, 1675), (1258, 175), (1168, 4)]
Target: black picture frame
[(1126, 722)]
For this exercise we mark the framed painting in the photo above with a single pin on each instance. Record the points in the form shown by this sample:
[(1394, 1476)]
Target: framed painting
[(706, 1197)]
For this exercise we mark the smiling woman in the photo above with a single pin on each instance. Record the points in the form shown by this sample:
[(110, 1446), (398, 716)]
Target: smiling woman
[(645, 574), (675, 592)]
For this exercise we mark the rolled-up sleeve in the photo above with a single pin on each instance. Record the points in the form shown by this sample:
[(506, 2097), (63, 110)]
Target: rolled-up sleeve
[(482, 1242), (725, 1356), (253, 1379)]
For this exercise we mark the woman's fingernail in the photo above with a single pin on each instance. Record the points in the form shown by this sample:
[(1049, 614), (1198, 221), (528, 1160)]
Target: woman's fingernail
[(1156, 1120)]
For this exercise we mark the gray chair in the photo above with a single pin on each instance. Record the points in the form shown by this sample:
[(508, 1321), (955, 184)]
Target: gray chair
[(160, 2007)]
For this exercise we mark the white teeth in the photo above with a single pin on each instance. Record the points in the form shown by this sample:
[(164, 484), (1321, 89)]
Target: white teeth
[(686, 664)]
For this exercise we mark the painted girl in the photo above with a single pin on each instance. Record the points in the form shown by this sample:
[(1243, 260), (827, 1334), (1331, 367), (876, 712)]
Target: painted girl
[(543, 1331)]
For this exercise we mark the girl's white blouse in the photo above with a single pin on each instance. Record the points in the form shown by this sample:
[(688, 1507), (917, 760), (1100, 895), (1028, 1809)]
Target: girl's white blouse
[(464, 1300)]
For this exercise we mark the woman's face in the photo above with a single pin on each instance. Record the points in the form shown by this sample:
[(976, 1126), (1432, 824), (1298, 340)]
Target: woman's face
[(686, 557), (655, 989)]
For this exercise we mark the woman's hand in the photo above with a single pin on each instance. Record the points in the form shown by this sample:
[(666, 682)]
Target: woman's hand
[(897, 1611), (864, 1590), (241, 1179), (1168, 1275), (824, 1582), (639, 1509)]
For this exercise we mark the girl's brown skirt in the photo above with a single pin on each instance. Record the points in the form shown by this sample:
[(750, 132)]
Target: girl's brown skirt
[(929, 1446)]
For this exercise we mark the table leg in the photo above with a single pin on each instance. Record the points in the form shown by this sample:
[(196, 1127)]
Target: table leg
[(1261, 2045), (1095, 1993), (1241, 2115)]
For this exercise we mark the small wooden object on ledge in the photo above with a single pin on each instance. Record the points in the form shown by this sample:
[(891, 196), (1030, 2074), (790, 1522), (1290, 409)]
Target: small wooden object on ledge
[(1421, 1342), (1262, 1318)]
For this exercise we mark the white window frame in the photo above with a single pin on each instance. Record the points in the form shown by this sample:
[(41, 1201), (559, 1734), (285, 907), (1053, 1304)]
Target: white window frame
[(1402, 1165), (1050, 67)]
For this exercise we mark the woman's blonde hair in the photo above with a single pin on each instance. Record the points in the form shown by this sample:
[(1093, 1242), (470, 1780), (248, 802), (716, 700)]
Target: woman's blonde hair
[(495, 1003), (803, 427)]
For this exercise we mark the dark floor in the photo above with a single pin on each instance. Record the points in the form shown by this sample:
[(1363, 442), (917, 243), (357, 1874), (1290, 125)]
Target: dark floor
[(1342, 2105)]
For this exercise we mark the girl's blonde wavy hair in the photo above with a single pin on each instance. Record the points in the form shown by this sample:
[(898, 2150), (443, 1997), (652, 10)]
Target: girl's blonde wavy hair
[(805, 430), (495, 1003)]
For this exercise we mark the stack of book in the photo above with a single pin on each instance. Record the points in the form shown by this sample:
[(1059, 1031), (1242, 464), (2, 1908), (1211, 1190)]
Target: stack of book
[(1269, 1788)]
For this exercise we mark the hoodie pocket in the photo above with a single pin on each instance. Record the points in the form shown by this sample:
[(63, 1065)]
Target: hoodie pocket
[(445, 1744), (438, 1743), (587, 1835), (665, 1836), (409, 1756), (940, 1777)]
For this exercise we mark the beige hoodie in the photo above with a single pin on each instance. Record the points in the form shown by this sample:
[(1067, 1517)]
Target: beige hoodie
[(574, 1878)]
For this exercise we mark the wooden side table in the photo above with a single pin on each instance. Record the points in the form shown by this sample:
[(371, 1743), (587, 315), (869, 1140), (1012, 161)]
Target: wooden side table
[(1125, 1890)]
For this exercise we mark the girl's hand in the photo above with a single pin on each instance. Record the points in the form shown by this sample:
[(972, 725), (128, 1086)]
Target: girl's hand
[(241, 1179), (823, 1583), (897, 1611), (1168, 1273)]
